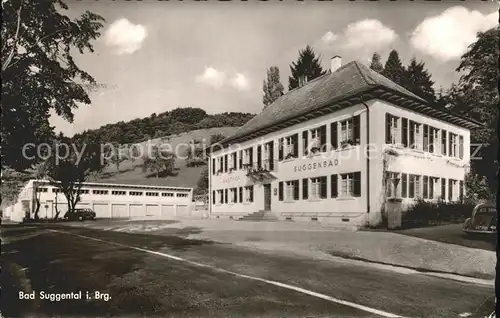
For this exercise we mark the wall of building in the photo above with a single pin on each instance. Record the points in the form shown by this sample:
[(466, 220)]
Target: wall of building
[(348, 160), (117, 203)]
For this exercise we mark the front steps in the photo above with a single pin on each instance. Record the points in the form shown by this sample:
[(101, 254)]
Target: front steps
[(260, 215)]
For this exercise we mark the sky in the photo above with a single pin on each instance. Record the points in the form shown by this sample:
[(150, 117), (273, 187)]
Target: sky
[(155, 56)]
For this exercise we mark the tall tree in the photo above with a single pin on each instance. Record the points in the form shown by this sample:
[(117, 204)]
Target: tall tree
[(418, 80), (39, 73), (394, 69), (476, 95), (159, 161), (272, 87), (308, 65), (376, 65), (71, 163)]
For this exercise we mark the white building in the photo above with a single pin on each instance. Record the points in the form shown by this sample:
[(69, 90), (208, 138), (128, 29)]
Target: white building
[(106, 199), (304, 157)]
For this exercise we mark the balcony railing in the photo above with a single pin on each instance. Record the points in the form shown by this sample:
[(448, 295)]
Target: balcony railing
[(262, 168)]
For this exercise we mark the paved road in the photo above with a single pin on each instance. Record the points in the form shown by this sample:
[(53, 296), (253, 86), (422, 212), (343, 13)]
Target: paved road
[(235, 283)]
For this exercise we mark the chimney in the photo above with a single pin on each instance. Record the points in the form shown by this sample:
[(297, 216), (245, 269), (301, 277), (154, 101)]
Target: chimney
[(335, 63)]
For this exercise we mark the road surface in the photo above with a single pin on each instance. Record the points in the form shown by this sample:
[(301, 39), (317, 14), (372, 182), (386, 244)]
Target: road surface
[(170, 276)]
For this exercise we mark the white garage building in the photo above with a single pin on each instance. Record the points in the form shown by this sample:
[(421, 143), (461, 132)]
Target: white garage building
[(106, 199)]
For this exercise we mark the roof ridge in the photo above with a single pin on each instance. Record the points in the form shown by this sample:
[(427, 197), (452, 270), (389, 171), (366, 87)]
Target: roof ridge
[(357, 63)]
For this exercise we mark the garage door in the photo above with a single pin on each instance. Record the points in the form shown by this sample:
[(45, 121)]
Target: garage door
[(119, 211), (137, 210), (153, 210), (182, 211), (101, 210), (168, 211)]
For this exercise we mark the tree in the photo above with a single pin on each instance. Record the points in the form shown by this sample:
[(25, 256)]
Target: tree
[(418, 81), (159, 161), (39, 73), (477, 188), (476, 95), (202, 185), (394, 69), (39, 172), (307, 65), (376, 65), (71, 163), (272, 87), (216, 138)]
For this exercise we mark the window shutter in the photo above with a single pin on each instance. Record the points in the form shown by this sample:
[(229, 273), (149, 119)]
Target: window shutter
[(225, 196), (213, 166), (280, 149), (461, 190), (443, 142), (404, 185), (241, 194), (426, 187), (323, 192), (259, 156), (296, 190), (280, 190), (450, 144), (305, 141), (461, 147), (251, 193), (305, 189), (296, 145), (334, 186), (213, 197), (387, 128), (334, 135), (234, 161), (271, 155), (404, 132), (450, 189), (250, 160), (443, 189), (356, 129), (225, 163), (412, 133), (322, 131), (431, 187), (357, 184), (241, 159), (426, 138)]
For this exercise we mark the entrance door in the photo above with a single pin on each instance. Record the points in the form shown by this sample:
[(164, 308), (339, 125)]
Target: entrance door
[(267, 197)]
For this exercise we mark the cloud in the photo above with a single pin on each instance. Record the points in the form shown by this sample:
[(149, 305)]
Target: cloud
[(240, 82), (125, 37), (329, 38), (212, 77), (368, 35), (447, 36)]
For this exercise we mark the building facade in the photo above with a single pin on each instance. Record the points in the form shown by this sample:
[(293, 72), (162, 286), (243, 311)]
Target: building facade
[(341, 149), (105, 199)]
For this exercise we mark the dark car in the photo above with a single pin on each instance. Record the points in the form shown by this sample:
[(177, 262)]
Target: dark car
[(483, 219), (80, 215)]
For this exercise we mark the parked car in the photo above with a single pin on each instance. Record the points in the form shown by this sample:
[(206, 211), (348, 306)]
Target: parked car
[(483, 219), (80, 215)]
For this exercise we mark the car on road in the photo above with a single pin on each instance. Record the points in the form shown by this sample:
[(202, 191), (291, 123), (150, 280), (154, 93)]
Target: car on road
[(80, 215), (483, 220)]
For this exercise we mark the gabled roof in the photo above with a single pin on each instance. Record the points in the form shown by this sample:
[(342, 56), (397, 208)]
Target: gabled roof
[(350, 84)]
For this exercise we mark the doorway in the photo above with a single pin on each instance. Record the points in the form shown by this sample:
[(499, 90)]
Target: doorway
[(267, 197)]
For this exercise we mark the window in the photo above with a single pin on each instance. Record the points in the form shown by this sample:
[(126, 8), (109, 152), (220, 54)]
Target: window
[(350, 184), (241, 194), (426, 138), (392, 133), (269, 156), (152, 194), (248, 157), (231, 165), (317, 140), (453, 144), (443, 142), (292, 190), (135, 193), (451, 189), (100, 192), (118, 192), (428, 187), (281, 195), (233, 197), (414, 188), (259, 156), (404, 185), (346, 132), (167, 194), (213, 166), (392, 185), (433, 140), (220, 164), (41, 190), (181, 195), (315, 188), (291, 146), (249, 193), (213, 197), (305, 190), (415, 134), (55, 190), (220, 196), (334, 187), (334, 138), (443, 189)]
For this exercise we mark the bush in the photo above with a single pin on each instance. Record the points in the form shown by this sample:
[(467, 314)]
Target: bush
[(436, 213), (195, 162)]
